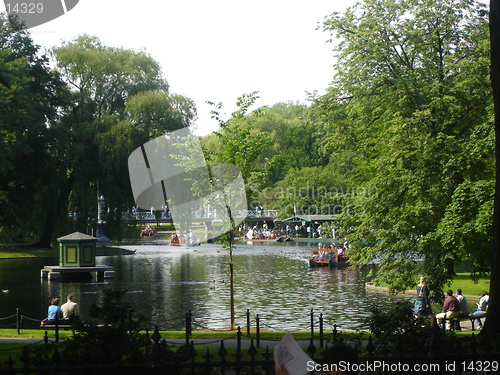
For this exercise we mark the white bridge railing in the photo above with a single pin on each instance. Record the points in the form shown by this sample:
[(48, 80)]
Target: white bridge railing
[(147, 215)]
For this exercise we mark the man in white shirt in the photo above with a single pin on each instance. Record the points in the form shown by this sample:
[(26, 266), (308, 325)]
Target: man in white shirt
[(70, 308), (462, 301)]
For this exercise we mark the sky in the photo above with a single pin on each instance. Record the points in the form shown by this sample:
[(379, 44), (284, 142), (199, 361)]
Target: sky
[(214, 50)]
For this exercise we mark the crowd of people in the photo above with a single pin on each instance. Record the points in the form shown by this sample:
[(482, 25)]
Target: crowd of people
[(454, 307), (302, 231)]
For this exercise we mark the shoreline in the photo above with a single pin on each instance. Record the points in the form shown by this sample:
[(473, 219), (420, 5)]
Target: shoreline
[(411, 292), (111, 251)]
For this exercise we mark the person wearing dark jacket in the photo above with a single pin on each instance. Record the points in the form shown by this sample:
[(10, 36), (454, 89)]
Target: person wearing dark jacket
[(450, 310)]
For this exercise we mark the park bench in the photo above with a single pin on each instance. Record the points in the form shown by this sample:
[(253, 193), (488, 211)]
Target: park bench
[(455, 322), (53, 326), (61, 324)]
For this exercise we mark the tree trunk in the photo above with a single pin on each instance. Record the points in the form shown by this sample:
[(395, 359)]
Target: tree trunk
[(231, 292), (45, 240), (60, 197), (492, 324)]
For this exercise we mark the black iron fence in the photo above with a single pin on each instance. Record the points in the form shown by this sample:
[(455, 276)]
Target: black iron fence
[(244, 353), (254, 325)]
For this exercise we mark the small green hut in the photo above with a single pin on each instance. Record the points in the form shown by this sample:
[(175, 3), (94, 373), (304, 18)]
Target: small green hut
[(77, 250)]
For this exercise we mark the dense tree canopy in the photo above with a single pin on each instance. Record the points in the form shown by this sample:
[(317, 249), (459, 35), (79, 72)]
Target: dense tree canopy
[(401, 145), (404, 113), (29, 101), (67, 132)]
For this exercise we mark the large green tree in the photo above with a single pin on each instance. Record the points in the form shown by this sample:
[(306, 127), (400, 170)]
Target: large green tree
[(30, 97), (410, 90), (119, 100), (492, 326)]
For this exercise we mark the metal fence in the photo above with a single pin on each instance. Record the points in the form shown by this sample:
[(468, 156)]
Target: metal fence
[(243, 354)]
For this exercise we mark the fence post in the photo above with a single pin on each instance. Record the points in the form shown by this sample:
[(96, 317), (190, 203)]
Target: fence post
[(248, 322), (129, 321), (18, 321), (57, 329), (154, 351), (321, 330), (238, 338), (257, 330), (188, 326), (312, 323)]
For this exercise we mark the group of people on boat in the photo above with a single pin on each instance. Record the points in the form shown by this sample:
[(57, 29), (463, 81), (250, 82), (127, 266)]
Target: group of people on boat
[(191, 239), (148, 230), (340, 249), (331, 255), (264, 233)]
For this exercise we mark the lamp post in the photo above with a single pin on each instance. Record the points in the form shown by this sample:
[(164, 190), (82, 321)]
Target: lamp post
[(102, 240)]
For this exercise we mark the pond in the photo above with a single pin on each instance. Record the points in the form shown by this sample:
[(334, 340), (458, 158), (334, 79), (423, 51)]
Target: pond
[(163, 282)]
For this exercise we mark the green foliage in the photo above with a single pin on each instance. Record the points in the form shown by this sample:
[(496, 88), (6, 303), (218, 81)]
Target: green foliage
[(119, 101), (29, 103), (405, 118), (396, 331), (112, 338), (235, 143), (310, 191), (66, 134), (466, 229)]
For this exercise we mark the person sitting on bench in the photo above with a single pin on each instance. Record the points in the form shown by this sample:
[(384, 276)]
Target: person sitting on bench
[(451, 309), (70, 308), (482, 309), (54, 311), (464, 307)]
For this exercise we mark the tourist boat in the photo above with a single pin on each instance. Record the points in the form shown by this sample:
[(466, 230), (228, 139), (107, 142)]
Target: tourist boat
[(334, 258), (182, 240), (148, 230), (264, 236)]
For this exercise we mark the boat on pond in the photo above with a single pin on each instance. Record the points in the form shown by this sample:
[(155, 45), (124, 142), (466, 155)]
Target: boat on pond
[(328, 257), (148, 230), (185, 240)]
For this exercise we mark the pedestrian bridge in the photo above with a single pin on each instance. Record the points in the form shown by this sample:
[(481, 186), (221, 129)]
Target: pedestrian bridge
[(164, 217)]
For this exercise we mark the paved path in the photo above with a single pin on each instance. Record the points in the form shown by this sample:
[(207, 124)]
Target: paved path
[(197, 342)]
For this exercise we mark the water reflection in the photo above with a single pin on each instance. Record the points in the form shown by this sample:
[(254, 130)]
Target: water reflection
[(164, 282)]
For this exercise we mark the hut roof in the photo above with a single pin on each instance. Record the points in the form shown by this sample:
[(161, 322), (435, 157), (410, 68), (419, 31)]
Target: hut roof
[(76, 236)]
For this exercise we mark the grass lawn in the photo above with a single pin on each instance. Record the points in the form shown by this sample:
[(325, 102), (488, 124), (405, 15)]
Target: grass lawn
[(469, 287), (39, 253), (215, 335), (462, 280)]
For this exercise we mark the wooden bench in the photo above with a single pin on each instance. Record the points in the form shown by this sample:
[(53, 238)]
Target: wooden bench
[(473, 319), (454, 322), (53, 326)]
